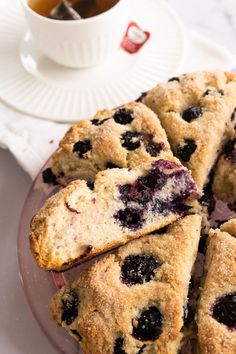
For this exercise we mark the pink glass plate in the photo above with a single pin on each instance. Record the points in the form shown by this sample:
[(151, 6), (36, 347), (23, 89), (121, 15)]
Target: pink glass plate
[(39, 285)]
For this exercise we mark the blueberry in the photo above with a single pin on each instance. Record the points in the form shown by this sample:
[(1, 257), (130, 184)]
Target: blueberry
[(130, 218), (81, 147), (143, 193), (131, 140), (111, 165), (192, 113), (230, 150), (97, 122), (143, 189), (211, 91), (90, 184), (49, 177), (126, 191), (224, 310), (123, 116), (185, 151), (154, 149), (154, 180), (149, 325), (164, 164), (118, 347), (138, 269), (139, 192), (76, 333), (132, 193), (175, 78), (70, 304)]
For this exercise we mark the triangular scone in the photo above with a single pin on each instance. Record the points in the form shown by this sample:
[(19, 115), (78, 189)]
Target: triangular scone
[(216, 317), (124, 137), (195, 110), (78, 223), (133, 301)]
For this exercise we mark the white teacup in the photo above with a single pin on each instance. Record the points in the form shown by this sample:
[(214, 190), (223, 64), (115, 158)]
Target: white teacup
[(81, 43)]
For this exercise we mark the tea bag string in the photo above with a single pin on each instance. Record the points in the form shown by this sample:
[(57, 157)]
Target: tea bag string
[(64, 11)]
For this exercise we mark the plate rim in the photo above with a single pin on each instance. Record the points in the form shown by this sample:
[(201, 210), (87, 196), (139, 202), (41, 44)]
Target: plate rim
[(46, 116)]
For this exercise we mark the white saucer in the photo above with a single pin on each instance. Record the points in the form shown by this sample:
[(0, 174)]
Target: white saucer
[(35, 85)]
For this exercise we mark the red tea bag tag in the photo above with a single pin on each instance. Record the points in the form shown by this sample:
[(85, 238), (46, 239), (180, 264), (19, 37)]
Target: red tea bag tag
[(134, 38)]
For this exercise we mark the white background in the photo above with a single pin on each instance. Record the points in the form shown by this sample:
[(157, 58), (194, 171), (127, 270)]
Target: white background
[(216, 19), (19, 333)]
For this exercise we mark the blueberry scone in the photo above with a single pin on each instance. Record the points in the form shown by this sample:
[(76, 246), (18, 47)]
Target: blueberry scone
[(120, 138), (195, 110), (224, 183), (133, 301), (216, 316), (83, 220)]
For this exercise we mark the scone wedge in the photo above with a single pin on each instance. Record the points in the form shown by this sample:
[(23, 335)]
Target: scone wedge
[(195, 110), (124, 137), (216, 317), (78, 223), (133, 301)]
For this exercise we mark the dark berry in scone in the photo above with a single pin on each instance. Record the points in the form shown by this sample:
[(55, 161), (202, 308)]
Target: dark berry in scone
[(224, 183), (216, 317), (81, 147), (49, 177), (186, 149), (192, 113), (224, 310), (69, 307), (84, 220), (148, 326), (133, 301), (137, 269), (121, 138), (195, 111)]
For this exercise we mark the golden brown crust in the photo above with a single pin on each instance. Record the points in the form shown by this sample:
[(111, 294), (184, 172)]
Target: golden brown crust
[(224, 182), (230, 227), (106, 144), (170, 99), (215, 337), (77, 223), (107, 305)]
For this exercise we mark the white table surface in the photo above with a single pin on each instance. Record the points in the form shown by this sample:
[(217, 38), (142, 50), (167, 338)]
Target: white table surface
[(19, 332)]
